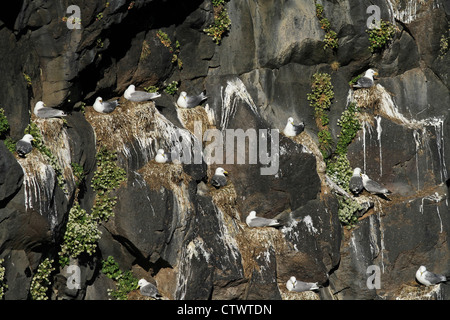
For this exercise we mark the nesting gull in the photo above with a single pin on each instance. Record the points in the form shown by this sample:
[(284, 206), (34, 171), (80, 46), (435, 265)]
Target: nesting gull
[(291, 129), (161, 157), (41, 111), (185, 101), (429, 278), (23, 146), (373, 186), (253, 221), (366, 81), (148, 289), (105, 106), (356, 183), (218, 179), (299, 286), (139, 96)]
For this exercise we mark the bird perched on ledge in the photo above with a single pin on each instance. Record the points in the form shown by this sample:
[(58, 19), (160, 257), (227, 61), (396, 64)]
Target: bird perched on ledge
[(139, 96), (253, 221), (185, 101), (366, 81), (218, 179), (291, 129), (105, 106), (41, 111), (23, 146), (299, 286)]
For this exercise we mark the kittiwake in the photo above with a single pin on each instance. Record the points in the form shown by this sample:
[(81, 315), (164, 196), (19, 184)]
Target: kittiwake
[(218, 179), (161, 157), (373, 186), (429, 278), (23, 146), (41, 111), (148, 289), (185, 101), (139, 96), (253, 221), (299, 286), (105, 106), (291, 129), (356, 183), (366, 81)]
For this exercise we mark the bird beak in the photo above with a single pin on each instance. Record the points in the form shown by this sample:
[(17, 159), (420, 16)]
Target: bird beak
[(376, 74), (226, 172)]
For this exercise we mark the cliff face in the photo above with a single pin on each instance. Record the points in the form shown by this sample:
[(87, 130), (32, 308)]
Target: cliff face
[(168, 223)]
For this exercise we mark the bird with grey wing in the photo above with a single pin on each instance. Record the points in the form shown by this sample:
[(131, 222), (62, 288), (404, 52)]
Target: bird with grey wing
[(185, 101), (299, 286), (105, 106), (366, 81), (429, 278), (374, 187), (292, 129), (218, 179), (253, 221), (356, 184), (41, 111), (148, 289), (138, 96), (23, 146)]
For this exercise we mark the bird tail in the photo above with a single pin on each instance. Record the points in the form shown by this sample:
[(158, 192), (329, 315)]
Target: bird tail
[(203, 95)]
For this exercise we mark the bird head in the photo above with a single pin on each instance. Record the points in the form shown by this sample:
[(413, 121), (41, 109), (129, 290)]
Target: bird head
[(142, 283), (28, 137), (39, 105), (293, 280), (183, 94), (422, 269), (291, 120), (221, 171)]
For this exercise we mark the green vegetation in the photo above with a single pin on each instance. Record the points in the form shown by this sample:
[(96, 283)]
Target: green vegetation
[(38, 143), (171, 88), (320, 100), (125, 281), (222, 22), (444, 44), (82, 230), (165, 40), (354, 80), (330, 39), (78, 172), (151, 89), (41, 280), (3, 285), (379, 37), (4, 124), (337, 165), (27, 79), (81, 235)]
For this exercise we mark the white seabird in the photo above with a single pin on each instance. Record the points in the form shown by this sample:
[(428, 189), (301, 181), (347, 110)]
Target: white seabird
[(366, 81), (253, 221), (161, 157), (299, 286), (148, 289), (23, 146), (373, 186), (185, 101), (41, 111), (105, 106), (429, 278), (356, 182), (139, 96), (291, 129), (218, 179)]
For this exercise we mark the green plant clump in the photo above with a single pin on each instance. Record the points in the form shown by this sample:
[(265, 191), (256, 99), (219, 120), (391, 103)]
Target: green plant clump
[(379, 37), (3, 285), (41, 280), (444, 44), (4, 124), (38, 143), (320, 99), (171, 88), (165, 40), (330, 39), (81, 235), (350, 126), (125, 281), (222, 22), (347, 210)]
